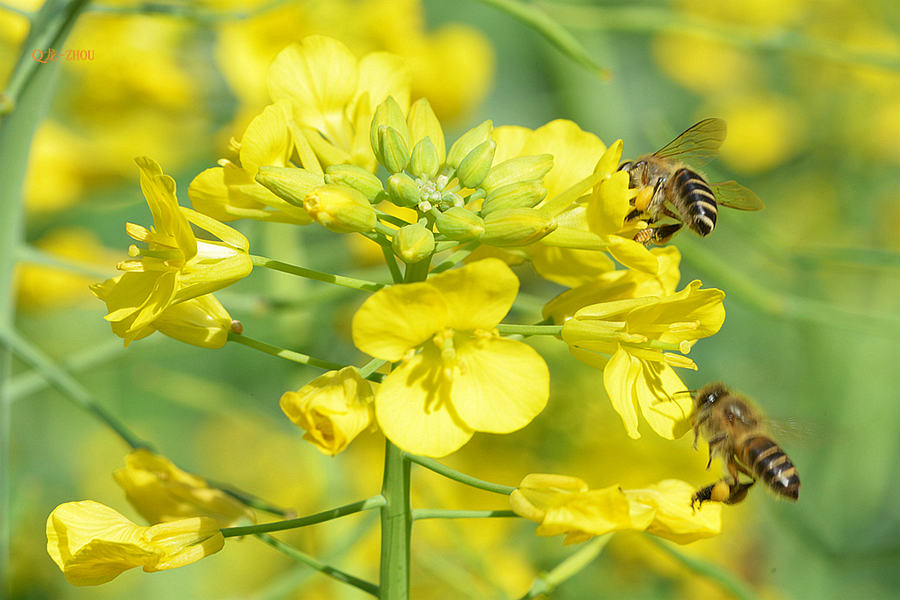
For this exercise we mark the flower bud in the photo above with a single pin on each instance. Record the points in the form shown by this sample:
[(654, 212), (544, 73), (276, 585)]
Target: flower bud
[(201, 321), (521, 168), (394, 150), (340, 208), (424, 124), (403, 191), (424, 161), (516, 227), (477, 164), (333, 409), (461, 148), (389, 115), (288, 183), (413, 243), (523, 194), (358, 178), (460, 224)]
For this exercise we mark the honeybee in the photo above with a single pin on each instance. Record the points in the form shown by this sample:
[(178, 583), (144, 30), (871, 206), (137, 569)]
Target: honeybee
[(663, 180), (735, 431)]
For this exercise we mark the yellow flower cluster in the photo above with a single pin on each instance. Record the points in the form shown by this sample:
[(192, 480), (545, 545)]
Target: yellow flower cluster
[(565, 505)]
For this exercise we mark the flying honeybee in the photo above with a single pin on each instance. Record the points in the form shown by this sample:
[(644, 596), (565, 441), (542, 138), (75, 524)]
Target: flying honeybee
[(735, 431), (664, 180)]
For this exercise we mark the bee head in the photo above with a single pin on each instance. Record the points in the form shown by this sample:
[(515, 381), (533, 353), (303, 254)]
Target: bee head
[(709, 394)]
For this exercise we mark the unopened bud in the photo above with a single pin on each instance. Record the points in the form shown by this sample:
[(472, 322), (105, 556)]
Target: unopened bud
[(461, 148), (403, 191), (394, 150), (340, 208), (358, 178), (424, 161), (516, 227), (477, 164), (288, 183), (389, 115), (460, 224), (515, 195), (413, 243), (521, 168), (424, 124)]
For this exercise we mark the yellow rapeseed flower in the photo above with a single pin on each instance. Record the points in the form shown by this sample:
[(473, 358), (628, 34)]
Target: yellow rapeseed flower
[(333, 95), (565, 505), (161, 492), (231, 192), (635, 334), (177, 266), (93, 544), (333, 409), (456, 374)]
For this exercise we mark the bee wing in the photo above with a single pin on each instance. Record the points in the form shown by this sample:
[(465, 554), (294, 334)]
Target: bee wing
[(698, 145), (734, 195)]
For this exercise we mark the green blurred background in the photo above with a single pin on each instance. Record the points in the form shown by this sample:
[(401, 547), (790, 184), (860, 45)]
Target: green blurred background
[(811, 93)]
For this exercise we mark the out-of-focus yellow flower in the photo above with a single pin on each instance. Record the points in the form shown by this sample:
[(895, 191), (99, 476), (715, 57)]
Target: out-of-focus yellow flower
[(231, 192), (619, 285), (333, 409), (452, 65), (177, 266), (201, 321), (93, 544), (457, 375), (161, 492), (44, 286), (333, 95), (566, 505), (636, 333)]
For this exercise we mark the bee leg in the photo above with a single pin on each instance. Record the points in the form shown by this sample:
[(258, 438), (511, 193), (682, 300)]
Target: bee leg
[(633, 215), (721, 491)]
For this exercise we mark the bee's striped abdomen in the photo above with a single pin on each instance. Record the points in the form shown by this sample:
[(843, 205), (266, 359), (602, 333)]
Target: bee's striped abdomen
[(700, 202), (771, 465)]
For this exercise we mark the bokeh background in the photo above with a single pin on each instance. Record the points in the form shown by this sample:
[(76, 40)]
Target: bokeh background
[(811, 93)]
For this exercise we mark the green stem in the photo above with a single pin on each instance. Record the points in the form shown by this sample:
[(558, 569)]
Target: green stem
[(396, 525), (390, 259), (726, 579), (348, 282), (546, 583), (288, 550), (296, 357), (328, 515), (433, 465), (533, 16), (513, 329), (452, 260), (440, 513), (370, 367), (68, 385)]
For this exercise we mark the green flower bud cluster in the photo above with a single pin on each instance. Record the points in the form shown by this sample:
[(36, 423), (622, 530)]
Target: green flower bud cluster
[(459, 195)]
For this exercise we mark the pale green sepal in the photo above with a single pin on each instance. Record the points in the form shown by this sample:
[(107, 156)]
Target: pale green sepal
[(461, 148), (413, 243), (394, 150), (308, 158), (388, 114), (424, 161), (460, 224), (477, 164), (559, 203), (424, 124), (569, 237), (358, 178), (290, 184), (519, 169), (523, 194), (516, 227), (403, 191)]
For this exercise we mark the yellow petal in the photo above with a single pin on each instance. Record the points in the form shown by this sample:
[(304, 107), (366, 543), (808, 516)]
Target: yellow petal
[(267, 140), (159, 190), (618, 378), (633, 255), (479, 295), (396, 319), (414, 410), (664, 400), (674, 517), (501, 386), (183, 542), (319, 77)]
